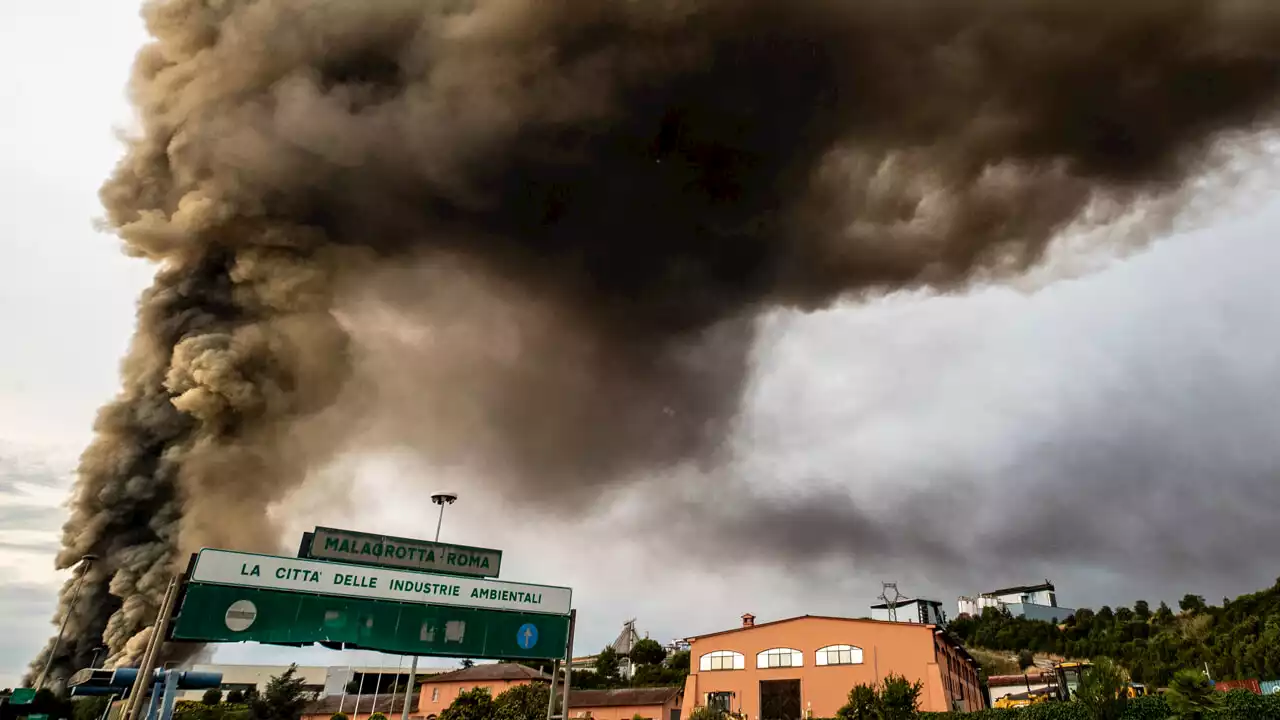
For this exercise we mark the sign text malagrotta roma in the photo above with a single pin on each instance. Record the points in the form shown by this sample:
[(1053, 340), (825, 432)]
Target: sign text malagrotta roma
[(236, 597), (368, 549)]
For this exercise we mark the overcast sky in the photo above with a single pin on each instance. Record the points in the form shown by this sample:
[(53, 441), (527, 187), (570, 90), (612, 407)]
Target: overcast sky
[(1150, 381)]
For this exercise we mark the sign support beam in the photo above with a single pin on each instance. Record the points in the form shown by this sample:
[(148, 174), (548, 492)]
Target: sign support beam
[(408, 691), (568, 664), (551, 696), (158, 632)]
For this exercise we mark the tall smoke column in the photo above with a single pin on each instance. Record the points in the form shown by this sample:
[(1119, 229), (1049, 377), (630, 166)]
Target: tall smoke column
[(651, 174)]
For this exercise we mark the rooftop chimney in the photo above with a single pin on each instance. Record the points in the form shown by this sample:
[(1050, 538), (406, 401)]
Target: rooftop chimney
[(748, 620)]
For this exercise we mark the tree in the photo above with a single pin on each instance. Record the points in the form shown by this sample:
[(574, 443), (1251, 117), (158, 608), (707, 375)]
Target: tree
[(522, 702), (475, 704), (899, 699), (1026, 659), (1142, 610), (285, 698), (894, 699), (377, 716), (1191, 603), (1191, 695), (648, 652), (862, 704), (679, 660), (338, 716), (467, 663), (212, 696), (1103, 690), (606, 667), (235, 697), (89, 708)]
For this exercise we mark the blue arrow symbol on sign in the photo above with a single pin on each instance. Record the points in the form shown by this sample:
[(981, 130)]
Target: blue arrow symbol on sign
[(527, 636)]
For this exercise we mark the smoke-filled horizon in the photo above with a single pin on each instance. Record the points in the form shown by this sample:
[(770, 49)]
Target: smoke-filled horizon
[(583, 205)]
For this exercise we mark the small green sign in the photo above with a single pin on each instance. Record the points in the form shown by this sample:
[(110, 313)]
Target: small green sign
[(22, 696), (220, 613), (40, 716), (396, 552)]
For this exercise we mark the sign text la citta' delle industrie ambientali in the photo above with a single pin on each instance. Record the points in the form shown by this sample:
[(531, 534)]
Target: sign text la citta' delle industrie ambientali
[(328, 578)]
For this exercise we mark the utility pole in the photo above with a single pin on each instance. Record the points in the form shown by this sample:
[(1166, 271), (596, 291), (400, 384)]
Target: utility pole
[(85, 563), (441, 499)]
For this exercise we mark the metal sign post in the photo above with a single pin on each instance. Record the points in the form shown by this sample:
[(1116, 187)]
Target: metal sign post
[(551, 696), (141, 683), (568, 664)]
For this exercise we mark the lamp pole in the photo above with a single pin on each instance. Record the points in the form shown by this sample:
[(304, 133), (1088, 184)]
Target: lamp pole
[(441, 499), (85, 562)]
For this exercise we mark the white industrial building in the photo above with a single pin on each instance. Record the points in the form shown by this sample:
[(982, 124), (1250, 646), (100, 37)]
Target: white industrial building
[(322, 680), (1034, 602), (917, 610)]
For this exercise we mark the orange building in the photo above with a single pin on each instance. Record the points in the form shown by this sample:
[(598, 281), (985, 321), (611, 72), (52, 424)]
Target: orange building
[(439, 691), (660, 703), (804, 667)]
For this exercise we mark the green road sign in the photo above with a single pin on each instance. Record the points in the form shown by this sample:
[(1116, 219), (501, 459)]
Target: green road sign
[(388, 551), (218, 613), (272, 572), (40, 716), (22, 696)]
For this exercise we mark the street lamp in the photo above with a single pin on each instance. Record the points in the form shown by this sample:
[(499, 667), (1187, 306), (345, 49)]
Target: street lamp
[(85, 562), (441, 499)]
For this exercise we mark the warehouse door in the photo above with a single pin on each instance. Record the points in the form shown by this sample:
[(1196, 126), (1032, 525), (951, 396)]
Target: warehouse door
[(779, 700)]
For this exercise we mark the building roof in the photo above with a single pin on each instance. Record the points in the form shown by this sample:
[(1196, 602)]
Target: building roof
[(904, 603), (1046, 585), (805, 617), (386, 703), (959, 647), (489, 671), (622, 697)]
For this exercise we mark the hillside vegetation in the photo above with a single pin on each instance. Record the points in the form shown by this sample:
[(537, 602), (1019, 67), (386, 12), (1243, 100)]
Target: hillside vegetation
[(1239, 639)]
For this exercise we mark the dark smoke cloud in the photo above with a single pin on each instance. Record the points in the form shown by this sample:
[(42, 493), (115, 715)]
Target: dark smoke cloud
[(645, 177)]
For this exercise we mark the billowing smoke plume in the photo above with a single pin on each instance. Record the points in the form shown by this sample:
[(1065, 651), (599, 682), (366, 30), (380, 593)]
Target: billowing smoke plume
[(632, 180)]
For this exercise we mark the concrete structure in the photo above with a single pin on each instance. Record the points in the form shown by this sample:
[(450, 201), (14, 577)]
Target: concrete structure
[(999, 686), (805, 666), (1034, 602), (322, 680), (660, 703), (439, 691), (390, 705), (919, 610)]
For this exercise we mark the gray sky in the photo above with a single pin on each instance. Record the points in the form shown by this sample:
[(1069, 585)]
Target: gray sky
[(997, 419)]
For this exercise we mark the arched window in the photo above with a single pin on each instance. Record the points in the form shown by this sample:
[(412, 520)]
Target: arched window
[(722, 660), (780, 658), (839, 655)]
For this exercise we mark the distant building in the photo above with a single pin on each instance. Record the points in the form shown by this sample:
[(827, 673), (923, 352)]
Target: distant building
[(1034, 602), (363, 707), (439, 691), (321, 680), (918, 610), (657, 703)]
